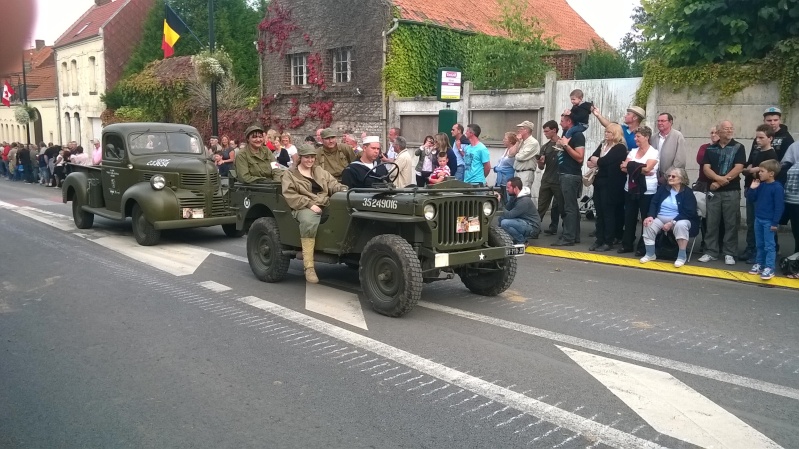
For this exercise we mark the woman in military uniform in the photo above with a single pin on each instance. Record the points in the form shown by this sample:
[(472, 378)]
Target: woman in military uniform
[(307, 189), (255, 162)]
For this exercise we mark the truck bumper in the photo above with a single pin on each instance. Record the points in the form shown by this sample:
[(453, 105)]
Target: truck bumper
[(477, 255), (194, 222)]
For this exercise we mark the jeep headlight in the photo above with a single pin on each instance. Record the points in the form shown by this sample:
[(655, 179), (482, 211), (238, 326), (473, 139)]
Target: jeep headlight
[(488, 208), (158, 182), (429, 212)]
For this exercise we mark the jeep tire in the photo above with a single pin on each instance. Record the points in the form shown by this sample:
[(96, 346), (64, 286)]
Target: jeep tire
[(83, 219), (391, 275), (231, 231), (265, 252), (144, 232), (491, 283)]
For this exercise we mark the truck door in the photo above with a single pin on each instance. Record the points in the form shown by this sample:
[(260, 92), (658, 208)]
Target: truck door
[(115, 170)]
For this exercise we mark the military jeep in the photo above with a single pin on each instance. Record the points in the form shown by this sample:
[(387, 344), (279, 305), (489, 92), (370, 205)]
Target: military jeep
[(398, 239), (156, 173)]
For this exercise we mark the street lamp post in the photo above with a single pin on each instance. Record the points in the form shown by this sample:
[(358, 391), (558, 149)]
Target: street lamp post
[(25, 99), (214, 118)]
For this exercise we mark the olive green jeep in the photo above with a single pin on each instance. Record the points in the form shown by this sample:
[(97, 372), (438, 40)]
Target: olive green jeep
[(398, 239), (156, 173)]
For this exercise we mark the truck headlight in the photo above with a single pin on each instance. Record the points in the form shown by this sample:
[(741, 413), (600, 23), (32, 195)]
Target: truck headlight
[(429, 212), (158, 182), (488, 208)]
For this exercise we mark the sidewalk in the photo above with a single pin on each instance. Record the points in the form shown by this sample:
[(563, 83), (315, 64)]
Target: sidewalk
[(715, 269)]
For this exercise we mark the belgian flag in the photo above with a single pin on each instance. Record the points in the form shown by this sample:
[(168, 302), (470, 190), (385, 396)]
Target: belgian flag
[(174, 27)]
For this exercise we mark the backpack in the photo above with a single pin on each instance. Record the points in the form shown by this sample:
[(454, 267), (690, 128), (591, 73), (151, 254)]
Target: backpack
[(790, 265), (666, 246)]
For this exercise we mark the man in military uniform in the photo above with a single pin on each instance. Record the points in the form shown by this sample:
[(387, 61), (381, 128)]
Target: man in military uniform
[(333, 156), (255, 162)]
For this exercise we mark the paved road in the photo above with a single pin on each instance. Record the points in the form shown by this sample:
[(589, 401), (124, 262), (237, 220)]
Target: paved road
[(106, 344)]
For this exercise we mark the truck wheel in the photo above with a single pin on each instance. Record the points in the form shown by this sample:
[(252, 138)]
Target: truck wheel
[(391, 275), (491, 283), (264, 251), (83, 220), (231, 231), (143, 230)]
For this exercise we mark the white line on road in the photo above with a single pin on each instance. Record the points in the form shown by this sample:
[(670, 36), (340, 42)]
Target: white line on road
[(335, 303), (215, 286), (575, 423), (174, 258), (688, 368), (670, 406)]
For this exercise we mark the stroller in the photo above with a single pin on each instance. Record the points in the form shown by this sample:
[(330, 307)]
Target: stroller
[(587, 207)]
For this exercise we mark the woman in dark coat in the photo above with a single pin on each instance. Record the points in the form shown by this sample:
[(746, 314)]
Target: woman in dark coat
[(608, 185)]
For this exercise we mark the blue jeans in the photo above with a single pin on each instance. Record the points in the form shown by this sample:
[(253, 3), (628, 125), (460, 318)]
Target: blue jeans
[(459, 173), (766, 246), (3, 168), (576, 128), (518, 229), (44, 173)]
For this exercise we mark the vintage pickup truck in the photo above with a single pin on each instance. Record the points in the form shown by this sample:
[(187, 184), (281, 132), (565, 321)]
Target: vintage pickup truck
[(155, 173)]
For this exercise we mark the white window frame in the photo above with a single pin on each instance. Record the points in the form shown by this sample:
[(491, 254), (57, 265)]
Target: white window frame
[(299, 69), (342, 65)]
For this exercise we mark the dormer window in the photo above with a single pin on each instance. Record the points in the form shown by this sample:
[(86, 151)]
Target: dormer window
[(84, 27)]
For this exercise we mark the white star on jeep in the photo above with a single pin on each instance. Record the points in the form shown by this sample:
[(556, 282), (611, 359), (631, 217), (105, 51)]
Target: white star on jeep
[(482, 256)]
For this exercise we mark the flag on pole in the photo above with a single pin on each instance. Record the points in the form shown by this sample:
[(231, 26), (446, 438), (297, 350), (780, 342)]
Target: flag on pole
[(8, 91), (174, 27)]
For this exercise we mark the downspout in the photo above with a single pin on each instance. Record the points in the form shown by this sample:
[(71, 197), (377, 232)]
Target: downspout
[(383, 76), (57, 99)]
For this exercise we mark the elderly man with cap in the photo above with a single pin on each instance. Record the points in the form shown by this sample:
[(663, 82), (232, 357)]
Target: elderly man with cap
[(782, 138), (526, 161), (256, 163), (355, 174), (333, 156), (307, 189), (632, 120)]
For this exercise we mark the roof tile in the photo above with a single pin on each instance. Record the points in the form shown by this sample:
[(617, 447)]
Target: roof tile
[(90, 22)]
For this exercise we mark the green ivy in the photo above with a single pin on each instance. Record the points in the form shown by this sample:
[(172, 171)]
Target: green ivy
[(729, 78), (145, 95), (417, 51)]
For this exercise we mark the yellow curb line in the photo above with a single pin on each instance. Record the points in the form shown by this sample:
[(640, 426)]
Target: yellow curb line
[(668, 267)]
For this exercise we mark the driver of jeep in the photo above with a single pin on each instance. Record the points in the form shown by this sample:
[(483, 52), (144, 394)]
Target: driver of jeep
[(357, 174), (255, 162), (307, 189)]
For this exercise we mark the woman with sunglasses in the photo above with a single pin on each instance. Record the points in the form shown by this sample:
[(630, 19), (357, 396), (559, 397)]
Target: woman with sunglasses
[(673, 208)]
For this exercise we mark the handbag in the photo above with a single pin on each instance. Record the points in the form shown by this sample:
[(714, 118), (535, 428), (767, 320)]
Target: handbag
[(588, 177)]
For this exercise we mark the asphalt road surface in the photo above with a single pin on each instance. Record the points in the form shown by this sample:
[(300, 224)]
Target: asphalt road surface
[(107, 344)]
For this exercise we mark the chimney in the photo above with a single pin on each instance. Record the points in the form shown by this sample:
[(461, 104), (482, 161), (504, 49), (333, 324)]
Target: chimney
[(101, 2), (39, 44)]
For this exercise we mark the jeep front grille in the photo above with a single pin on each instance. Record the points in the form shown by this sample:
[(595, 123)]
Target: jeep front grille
[(449, 214), (193, 181)]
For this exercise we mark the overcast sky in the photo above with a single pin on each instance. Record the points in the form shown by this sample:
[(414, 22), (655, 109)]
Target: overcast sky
[(610, 18)]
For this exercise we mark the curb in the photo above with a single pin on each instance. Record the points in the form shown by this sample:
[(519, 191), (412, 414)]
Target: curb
[(667, 267)]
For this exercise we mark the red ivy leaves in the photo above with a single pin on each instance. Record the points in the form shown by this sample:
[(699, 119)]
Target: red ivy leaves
[(278, 26), (316, 75), (323, 111)]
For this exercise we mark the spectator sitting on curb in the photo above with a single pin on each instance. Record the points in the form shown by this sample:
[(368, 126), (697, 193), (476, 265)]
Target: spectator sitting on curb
[(520, 218)]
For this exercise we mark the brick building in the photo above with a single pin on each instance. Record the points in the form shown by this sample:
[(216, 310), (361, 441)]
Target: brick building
[(348, 42)]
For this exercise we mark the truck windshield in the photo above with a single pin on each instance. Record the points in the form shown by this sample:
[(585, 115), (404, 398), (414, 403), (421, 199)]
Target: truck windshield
[(165, 142)]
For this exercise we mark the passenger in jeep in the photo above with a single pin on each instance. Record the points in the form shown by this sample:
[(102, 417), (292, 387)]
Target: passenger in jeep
[(307, 189), (255, 162), (355, 175)]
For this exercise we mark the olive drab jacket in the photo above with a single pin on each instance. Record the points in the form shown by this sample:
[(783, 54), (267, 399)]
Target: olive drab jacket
[(256, 166), (297, 188), (335, 161)]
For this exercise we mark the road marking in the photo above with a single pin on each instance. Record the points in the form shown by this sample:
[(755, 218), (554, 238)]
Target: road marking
[(174, 258), (58, 221), (215, 286), (687, 368), (669, 406), (335, 303), (575, 423)]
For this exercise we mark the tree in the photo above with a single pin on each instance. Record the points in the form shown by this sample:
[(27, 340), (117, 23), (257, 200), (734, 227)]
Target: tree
[(689, 32), (236, 29), (602, 62), (632, 44), (512, 60)]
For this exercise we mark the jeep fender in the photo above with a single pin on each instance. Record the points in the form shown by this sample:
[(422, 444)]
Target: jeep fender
[(157, 205), (75, 184)]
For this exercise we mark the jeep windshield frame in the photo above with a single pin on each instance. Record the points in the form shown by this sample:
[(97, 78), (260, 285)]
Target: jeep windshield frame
[(160, 142)]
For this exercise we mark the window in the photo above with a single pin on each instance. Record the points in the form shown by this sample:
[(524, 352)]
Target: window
[(64, 79), (342, 65), (77, 133), (74, 76), (299, 69), (114, 147), (92, 75), (67, 127)]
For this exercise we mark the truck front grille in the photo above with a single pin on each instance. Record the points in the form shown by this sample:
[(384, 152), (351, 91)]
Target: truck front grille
[(449, 213)]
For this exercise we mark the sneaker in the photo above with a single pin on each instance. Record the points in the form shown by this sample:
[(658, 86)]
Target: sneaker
[(767, 274), (755, 269), (729, 260), (646, 258), (679, 262), (707, 258)]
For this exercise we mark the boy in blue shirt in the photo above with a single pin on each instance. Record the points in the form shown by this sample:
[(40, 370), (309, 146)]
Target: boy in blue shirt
[(769, 198)]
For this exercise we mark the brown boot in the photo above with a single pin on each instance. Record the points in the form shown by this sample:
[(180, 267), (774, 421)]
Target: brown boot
[(307, 260)]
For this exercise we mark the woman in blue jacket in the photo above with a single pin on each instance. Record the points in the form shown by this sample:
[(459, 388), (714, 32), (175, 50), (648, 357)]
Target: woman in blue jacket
[(673, 208)]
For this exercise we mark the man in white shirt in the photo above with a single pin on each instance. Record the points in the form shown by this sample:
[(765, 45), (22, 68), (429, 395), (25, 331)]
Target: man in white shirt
[(526, 160), (406, 163)]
